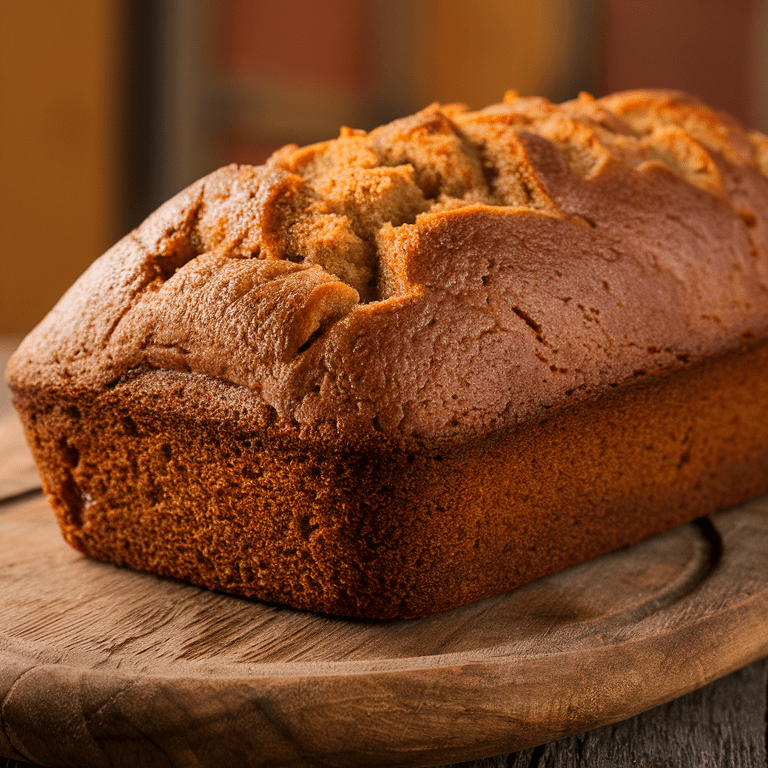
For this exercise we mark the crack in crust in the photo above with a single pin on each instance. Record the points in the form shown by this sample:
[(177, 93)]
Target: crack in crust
[(340, 203), (642, 208)]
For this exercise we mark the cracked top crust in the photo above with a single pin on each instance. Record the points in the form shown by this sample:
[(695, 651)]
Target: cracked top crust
[(444, 276)]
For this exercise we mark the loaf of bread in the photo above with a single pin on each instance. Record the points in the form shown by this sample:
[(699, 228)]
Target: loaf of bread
[(395, 372)]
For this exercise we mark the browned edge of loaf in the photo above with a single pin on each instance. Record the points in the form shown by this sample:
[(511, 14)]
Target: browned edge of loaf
[(438, 360), (523, 256), (166, 473)]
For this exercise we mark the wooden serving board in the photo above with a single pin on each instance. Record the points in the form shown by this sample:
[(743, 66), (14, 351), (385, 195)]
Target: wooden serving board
[(101, 666)]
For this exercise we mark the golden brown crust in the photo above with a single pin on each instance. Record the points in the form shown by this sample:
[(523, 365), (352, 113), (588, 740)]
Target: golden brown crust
[(589, 242), (449, 278)]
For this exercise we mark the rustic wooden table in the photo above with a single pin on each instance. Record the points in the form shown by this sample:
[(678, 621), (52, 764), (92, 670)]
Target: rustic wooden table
[(721, 724)]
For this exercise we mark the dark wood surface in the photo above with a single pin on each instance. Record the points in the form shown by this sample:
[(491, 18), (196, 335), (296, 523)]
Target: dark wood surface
[(720, 725), (95, 660)]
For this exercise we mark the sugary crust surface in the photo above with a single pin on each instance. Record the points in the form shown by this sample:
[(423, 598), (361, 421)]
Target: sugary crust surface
[(441, 277)]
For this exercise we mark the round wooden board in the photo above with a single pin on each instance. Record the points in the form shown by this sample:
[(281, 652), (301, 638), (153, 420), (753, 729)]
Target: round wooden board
[(101, 666)]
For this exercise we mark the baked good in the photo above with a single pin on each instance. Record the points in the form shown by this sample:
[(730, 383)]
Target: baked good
[(392, 373)]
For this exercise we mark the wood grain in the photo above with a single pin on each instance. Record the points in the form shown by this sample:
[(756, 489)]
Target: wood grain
[(103, 666), (722, 724)]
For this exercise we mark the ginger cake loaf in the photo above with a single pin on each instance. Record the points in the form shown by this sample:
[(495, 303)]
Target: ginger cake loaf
[(392, 373)]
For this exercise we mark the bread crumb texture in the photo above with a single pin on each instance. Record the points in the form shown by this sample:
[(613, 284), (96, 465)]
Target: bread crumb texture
[(445, 275)]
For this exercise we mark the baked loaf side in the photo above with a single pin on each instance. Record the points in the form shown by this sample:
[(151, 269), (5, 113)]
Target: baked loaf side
[(381, 375)]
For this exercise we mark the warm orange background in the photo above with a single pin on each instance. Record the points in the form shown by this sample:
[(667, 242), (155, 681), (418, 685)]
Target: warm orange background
[(59, 138), (295, 71)]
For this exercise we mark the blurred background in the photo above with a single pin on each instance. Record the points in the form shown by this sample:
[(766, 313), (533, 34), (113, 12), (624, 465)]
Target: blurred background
[(112, 106)]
